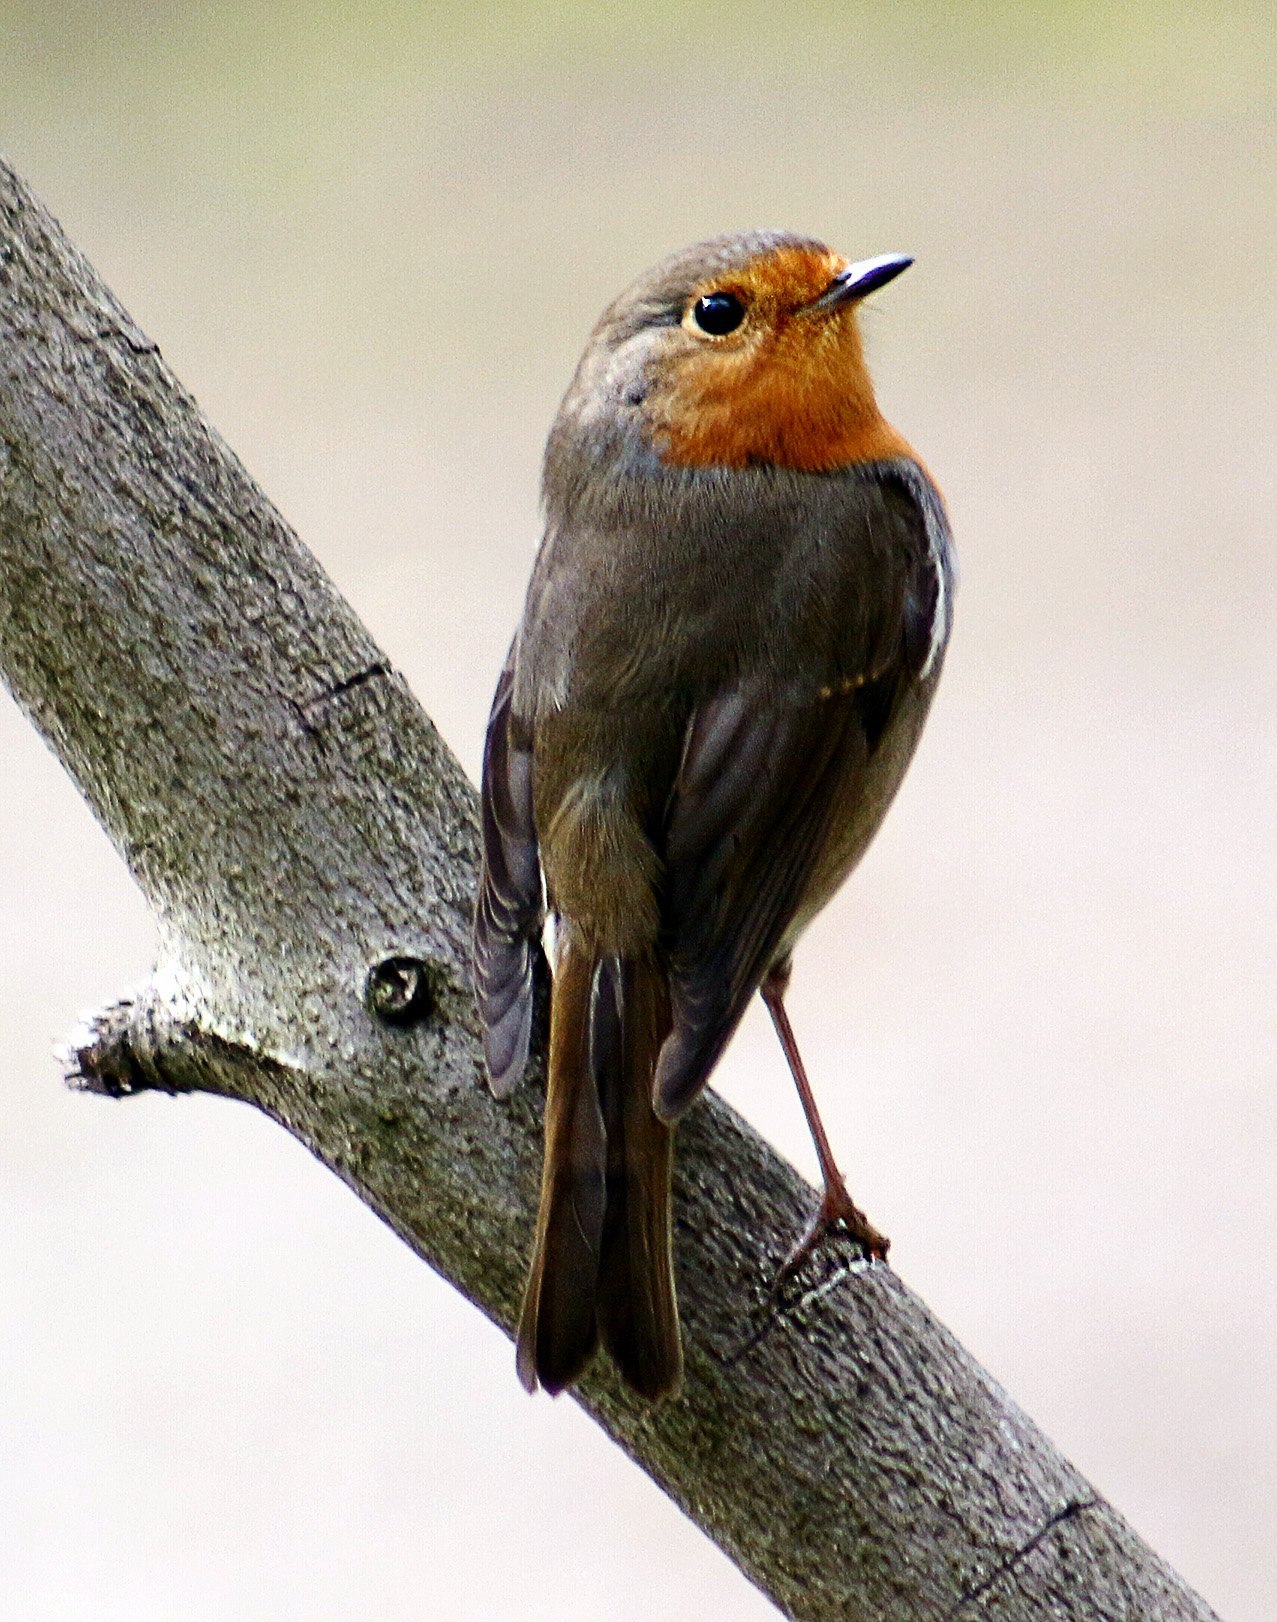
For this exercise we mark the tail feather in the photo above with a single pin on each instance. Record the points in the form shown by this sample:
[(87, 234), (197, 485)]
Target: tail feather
[(558, 1330), (637, 1308), (602, 1264)]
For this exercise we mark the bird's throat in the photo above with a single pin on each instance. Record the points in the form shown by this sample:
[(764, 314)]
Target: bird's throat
[(814, 420)]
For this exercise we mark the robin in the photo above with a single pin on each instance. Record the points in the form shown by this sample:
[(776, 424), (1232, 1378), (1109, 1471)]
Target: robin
[(733, 631)]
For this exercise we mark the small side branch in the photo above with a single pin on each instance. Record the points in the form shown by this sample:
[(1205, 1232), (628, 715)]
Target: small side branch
[(135, 1046)]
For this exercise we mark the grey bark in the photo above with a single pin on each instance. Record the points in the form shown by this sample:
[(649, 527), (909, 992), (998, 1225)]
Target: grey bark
[(309, 847)]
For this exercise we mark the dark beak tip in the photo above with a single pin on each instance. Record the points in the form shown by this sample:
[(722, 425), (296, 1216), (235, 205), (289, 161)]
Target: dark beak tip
[(870, 274), (859, 280)]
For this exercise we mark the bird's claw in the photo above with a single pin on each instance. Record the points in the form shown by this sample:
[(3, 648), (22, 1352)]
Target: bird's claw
[(837, 1210)]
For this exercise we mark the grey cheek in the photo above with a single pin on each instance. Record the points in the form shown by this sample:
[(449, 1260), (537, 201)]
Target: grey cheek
[(633, 365), (628, 382)]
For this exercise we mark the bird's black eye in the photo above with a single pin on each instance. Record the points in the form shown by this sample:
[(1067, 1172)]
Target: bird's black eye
[(718, 313)]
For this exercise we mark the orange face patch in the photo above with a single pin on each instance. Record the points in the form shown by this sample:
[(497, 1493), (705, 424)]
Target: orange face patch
[(789, 386)]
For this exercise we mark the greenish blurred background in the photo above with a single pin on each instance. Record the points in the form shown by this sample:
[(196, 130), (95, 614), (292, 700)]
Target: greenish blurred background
[(372, 239)]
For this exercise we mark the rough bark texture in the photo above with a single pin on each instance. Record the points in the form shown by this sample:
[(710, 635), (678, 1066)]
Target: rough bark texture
[(309, 847)]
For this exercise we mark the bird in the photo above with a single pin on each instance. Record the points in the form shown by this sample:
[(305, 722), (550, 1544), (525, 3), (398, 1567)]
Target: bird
[(732, 633)]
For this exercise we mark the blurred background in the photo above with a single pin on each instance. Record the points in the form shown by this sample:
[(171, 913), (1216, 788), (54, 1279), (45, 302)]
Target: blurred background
[(372, 239)]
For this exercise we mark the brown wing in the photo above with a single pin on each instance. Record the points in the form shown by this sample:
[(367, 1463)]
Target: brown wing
[(764, 775), (507, 947), (750, 814)]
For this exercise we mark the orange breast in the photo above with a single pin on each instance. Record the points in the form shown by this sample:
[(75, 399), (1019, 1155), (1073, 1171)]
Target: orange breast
[(780, 423), (784, 406)]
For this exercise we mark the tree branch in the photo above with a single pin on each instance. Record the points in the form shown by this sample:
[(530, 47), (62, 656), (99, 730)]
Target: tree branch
[(309, 847)]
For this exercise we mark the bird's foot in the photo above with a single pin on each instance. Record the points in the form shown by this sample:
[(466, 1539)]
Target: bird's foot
[(837, 1211)]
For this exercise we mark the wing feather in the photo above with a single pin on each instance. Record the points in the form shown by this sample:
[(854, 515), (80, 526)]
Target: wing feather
[(749, 817), (508, 918), (768, 772)]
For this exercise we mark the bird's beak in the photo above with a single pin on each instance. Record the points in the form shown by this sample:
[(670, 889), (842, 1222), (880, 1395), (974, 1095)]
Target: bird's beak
[(864, 277)]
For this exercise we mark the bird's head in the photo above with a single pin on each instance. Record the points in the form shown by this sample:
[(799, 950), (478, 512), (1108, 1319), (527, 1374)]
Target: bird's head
[(738, 351)]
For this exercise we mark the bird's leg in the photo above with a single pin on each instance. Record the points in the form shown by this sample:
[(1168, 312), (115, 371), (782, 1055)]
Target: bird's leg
[(836, 1205)]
